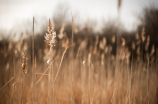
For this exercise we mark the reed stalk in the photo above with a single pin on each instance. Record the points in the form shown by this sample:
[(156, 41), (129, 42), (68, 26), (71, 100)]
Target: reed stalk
[(33, 84), (13, 86), (72, 62)]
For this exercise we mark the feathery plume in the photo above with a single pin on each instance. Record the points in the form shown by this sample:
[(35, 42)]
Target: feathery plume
[(123, 42), (133, 46), (50, 37), (137, 36), (104, 41), (113, 39), (138, 51), (96, 40), (147, 43), (143, 34), (152, 50), (102, 59), (23, 65), (61, 33)]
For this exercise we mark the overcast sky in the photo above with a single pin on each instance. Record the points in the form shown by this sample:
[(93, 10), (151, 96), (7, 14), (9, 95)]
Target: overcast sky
[(17, 11)]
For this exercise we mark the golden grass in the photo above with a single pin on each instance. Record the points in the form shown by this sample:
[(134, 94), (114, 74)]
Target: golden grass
[(86, 74)]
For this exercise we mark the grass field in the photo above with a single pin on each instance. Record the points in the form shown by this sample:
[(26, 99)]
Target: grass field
[(65, 68)]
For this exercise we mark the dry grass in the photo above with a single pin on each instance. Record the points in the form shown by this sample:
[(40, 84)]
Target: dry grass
[(87, 74)]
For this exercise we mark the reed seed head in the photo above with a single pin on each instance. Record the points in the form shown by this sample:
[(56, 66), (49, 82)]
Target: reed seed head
[(152, 50), (50, 37), (113, 39), (106, 50), (133, 46), (143, 34), (96, 40), (138, 51), (123, 42), (61, 33), (137, 36), (102, 59), (104, 41), (23, 65), (89, 59)]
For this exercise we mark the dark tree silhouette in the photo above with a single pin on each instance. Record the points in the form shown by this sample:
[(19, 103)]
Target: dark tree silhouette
[(149, 20)]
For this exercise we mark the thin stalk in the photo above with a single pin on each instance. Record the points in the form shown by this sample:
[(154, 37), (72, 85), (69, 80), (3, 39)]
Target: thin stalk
[(22, 90), (148, 80), (33, 99), (117, 47), (14, 81), (142, 52), (21, 87), (35, 75), (7, 83), (52, 78), (72, 63), (49, 81), (91, 102), (45, 72), (89, 84), (59, 66), (129, 83), (113, 96), (131, 78), (12, 94), (82, 82)]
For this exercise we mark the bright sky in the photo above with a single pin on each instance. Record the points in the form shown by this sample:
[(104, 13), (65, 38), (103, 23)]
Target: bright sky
[(14, 12)]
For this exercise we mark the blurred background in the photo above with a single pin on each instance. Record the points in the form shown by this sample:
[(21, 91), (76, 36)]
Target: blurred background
[(111, 59), (16, 15)]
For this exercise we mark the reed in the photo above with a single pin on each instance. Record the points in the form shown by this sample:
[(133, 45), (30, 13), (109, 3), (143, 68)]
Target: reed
[(24, 71), (50, 38), (72, 99)]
